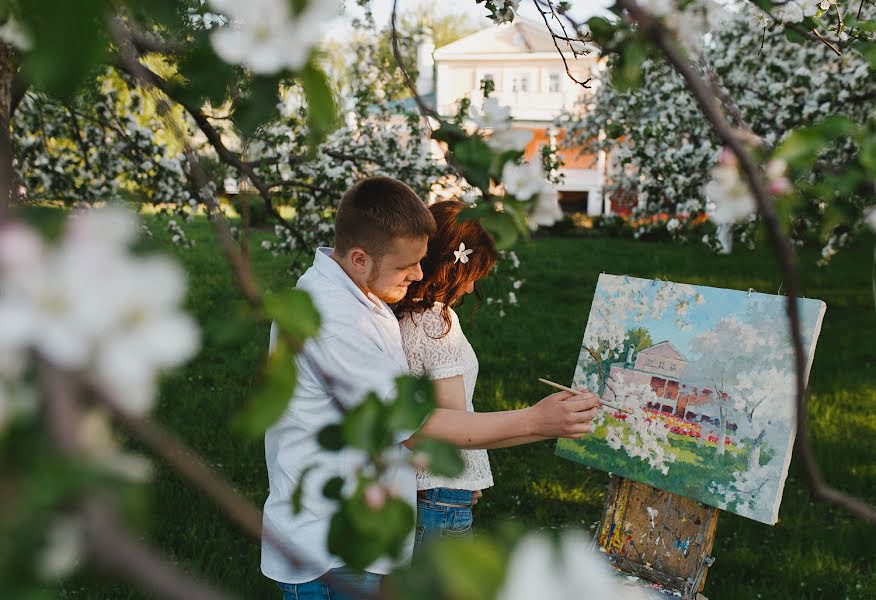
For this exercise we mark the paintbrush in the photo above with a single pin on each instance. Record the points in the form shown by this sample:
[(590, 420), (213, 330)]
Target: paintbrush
[(566, 389)]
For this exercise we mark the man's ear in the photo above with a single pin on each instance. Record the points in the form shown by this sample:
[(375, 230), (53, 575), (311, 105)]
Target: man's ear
[(360, 260)]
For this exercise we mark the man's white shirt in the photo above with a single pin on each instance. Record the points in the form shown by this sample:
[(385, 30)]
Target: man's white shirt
[(358, 349)]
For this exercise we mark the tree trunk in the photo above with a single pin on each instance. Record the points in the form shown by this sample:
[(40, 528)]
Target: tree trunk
[(754, 455), (7, 74), (722, 434)]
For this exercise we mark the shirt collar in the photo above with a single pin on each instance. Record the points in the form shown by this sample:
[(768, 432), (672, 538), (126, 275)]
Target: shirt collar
[(325, 264)]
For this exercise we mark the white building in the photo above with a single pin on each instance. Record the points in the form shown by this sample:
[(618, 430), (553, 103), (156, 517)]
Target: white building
[(530, 77)]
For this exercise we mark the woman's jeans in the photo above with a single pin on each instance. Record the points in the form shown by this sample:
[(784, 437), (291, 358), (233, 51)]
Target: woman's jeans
[(357, 581), (443, 513)]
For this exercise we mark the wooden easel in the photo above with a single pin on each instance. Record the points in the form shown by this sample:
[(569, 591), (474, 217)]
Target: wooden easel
[(657, 536)]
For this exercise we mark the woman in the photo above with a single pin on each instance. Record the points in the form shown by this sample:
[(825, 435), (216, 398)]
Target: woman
[(458, 255)]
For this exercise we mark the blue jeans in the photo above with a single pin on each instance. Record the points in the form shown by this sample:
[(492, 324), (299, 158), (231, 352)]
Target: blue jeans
[(443, 513), (358, 581)]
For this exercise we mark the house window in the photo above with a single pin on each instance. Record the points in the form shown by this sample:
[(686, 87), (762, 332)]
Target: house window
[(553, 83), (520, 83)]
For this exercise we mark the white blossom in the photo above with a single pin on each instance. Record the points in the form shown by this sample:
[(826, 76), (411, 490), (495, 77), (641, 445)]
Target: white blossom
[(870, 217), (265, 36), (730, 198), (509, 139), (492, 115), (523, 181), (547, 209), (87, 305), (570, 570), (15, 35), (65, 546)]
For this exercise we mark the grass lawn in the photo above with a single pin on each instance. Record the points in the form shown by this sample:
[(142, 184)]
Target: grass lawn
[(815, 551)]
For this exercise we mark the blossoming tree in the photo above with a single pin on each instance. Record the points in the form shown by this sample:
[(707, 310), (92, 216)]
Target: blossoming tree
[(89, 323)]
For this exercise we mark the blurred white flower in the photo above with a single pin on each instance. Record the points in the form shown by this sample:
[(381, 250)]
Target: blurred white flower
[(729, 199), (568, 570), (15, 35), (510, 139), (789, 12), (870, 217), (523, 181), (88, 305), (547, 209), (265, 36), (492, 115), (65, 545), (658, 8)]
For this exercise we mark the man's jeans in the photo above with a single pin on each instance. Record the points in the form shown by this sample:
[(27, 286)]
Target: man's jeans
[(357, 581), (443, 513)]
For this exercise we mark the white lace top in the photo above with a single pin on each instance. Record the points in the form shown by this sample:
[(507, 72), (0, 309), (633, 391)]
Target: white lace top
[(442, 358)]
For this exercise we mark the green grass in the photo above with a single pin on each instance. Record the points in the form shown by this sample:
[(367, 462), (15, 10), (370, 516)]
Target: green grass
[(815, 551)]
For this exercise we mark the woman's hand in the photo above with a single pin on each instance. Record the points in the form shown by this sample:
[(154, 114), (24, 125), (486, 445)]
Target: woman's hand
[(564, 414)]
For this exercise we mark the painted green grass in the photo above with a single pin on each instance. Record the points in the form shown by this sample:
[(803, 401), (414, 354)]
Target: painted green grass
[(700, 462), (814, 552)]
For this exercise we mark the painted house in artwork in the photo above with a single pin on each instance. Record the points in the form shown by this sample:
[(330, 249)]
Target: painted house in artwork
[(663, 367), (530, 77)]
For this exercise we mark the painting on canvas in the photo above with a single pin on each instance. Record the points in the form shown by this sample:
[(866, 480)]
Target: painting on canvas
[(707, 376)]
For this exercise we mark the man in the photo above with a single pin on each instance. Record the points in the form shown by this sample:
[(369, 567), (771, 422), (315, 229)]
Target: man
[(381, 233)]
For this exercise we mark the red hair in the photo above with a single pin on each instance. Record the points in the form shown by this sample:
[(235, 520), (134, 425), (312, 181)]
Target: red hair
[(444, 277)]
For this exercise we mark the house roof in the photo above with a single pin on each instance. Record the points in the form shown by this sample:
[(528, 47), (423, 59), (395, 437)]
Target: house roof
[(664, 349), (523, 36)]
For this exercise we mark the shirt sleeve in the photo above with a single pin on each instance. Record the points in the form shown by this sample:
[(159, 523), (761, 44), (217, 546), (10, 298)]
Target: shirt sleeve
[(441, 356), (349, 366)]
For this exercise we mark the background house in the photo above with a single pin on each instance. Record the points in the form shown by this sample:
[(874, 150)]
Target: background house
[(530, 77)]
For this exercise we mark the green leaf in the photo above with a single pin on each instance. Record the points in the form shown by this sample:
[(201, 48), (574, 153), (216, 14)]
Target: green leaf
[(444, 458), (470, 569), (867, 49), (322, 113), (299, 489), (501, 226), (205, 77), (795, 37), (628, 72), (602, 30), (331, 437), (803, 145), (474, 157), (294, 312), (415, 400), (360, 535), (449, 133), (69, 42), (867, 152), (365, 426), (259, 105), (273, 395), (333, 487)]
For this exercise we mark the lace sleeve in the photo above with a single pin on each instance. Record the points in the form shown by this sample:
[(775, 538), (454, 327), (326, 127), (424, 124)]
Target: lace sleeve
[(440, 357)]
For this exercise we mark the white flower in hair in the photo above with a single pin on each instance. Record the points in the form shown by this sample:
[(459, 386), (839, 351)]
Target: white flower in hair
[(462, 254)]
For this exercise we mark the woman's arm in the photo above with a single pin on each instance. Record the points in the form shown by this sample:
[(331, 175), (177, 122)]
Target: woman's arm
[(518, 441), (559, 415)]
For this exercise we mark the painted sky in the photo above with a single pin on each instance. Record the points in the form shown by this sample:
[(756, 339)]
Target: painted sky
[(717, 303)]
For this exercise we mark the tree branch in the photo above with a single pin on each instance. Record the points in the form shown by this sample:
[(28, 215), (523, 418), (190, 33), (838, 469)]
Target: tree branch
[(140, 72), (116, 549), (544, 15), (396, 52), (652, 30)]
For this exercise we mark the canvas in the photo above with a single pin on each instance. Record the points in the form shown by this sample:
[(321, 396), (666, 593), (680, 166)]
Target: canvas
[(708, 377)]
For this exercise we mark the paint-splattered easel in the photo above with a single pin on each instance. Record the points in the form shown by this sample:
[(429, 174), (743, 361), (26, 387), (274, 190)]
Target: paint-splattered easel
[(662, 538)]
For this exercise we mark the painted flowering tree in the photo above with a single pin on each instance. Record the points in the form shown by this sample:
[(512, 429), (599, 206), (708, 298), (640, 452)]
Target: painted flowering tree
[(135, 100)]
